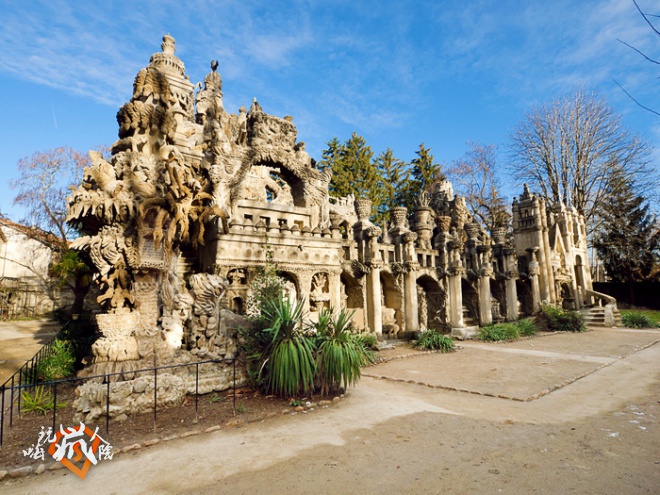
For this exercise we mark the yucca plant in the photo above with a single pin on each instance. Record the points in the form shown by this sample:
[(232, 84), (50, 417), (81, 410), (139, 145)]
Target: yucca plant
[(289, 365), (340, 353)]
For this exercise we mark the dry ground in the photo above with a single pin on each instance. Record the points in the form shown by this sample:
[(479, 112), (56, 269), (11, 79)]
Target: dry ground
[(565, 413)]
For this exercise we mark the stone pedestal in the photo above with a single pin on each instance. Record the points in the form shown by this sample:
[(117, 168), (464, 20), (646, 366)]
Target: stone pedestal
[(117, 350)]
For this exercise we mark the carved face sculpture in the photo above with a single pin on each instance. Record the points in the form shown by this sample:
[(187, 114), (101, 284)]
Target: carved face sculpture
[(215, 174)]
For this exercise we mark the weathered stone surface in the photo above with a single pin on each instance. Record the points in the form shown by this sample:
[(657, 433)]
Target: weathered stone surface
[(194, 200)]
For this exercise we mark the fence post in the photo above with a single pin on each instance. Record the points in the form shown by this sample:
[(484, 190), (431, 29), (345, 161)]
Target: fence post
[(2, 415), (196, 391), (54, 403), (20, 384), (11, 403), (155, 395), (107, 404)]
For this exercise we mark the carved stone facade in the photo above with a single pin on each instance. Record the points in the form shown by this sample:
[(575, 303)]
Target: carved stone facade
[(195, 199)]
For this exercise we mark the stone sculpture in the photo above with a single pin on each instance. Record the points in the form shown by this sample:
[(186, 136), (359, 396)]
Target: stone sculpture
[(194, 200)]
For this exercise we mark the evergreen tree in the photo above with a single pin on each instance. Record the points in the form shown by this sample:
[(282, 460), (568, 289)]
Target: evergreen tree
[(628, 238), (393, 177), (424, 171), (353, 169)]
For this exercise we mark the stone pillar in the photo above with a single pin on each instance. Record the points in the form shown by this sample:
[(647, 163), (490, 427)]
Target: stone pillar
[(412, 302), (510, 285), (485, 310), (335, 289), (374, 297), (374, 292), (534, 271), (455, 290), (410, 282)]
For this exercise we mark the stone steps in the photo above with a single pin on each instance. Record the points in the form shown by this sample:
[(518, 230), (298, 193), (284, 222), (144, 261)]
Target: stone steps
[(596, 316)]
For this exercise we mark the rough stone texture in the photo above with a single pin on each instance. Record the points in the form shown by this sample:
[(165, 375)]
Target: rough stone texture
[(195, 199)]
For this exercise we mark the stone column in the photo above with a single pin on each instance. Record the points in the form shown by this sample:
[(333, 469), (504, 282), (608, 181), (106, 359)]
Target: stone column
[(374, 296), (455, 290), (374, 293), (335, 289), (412, 303), (511, 274), (485, 311), (410, 282), (534, 271)]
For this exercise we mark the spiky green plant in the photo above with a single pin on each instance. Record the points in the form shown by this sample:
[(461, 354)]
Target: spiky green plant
[(432, 340), (39, 400), (340, 354), (59, 364), (499, 332), (527, 327), (289, 365), (636, 319)]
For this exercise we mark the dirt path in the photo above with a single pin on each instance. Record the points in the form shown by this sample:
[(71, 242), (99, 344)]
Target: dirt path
[(20, 340), (597, 432)]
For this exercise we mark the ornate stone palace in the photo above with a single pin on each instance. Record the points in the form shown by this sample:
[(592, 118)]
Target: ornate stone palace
[(195, 199)]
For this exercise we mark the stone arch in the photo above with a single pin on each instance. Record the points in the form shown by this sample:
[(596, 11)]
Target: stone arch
[(524, 293), (470, 303), (433, 312), (392, 304), (291, 286), (352, 298), (237, 305)]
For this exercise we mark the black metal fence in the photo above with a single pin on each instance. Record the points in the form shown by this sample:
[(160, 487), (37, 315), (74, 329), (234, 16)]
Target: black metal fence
[(25, 379)]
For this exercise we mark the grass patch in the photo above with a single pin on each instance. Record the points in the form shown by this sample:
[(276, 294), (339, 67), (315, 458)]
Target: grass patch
[(432, 340)]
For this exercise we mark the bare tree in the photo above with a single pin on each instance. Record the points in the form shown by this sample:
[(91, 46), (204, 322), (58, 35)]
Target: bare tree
[(475, 177), (571, 149), (647, 19), (42, 188)]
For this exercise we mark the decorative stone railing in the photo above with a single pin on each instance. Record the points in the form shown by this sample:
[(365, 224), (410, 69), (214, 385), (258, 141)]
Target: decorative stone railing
[(601, 299)]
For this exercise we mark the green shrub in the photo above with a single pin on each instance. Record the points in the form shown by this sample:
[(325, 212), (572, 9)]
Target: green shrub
[(499, 332), (40, 400), (59, 364), (636, 319), (432, 340), (554, 318)]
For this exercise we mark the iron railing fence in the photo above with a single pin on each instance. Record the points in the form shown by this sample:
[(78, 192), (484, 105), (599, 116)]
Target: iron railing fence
[(10, 395), (28, 374)]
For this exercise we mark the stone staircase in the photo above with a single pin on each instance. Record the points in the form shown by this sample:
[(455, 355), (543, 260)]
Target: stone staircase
[(597, 316), (604, 314), (468, 321)]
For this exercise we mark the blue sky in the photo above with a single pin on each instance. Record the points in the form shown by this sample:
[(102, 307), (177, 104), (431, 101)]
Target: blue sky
[(398, 72)]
